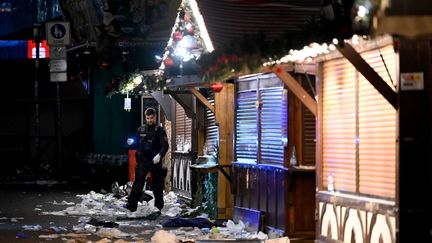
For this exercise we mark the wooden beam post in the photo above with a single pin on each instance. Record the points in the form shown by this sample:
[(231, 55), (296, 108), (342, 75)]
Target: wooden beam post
[(224, 108), (296, 88), (369, 73), (202, 99)]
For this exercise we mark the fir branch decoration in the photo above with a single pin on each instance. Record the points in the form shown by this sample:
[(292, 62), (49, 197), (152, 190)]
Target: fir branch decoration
[(138, 82)]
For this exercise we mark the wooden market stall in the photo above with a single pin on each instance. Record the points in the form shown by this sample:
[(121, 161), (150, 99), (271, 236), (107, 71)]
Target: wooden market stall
[(274, 167)]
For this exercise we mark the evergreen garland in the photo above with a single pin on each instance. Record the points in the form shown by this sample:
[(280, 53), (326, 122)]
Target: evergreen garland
[(248, 54), (148, 83), (210, 195)]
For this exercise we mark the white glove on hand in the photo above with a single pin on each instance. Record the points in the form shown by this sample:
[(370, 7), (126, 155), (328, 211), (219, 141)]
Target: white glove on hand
[(156, 159), (129, 141)]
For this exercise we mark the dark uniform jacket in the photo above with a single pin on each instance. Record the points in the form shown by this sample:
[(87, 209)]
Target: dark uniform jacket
[(151, 140)]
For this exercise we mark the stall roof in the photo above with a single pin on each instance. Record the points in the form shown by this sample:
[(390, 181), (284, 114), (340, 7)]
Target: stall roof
[(227, 20)]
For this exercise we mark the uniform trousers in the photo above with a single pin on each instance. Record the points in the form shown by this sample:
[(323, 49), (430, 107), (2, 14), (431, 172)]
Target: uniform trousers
[(157, 183)]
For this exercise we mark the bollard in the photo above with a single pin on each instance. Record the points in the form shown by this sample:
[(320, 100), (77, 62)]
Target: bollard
[(132, 164)]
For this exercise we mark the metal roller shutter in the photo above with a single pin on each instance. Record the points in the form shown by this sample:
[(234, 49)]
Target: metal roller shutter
[(359, 127), (273, 124), (246, 126), (261, 120), (377, 129), (183, 129), (339, 124), (212, 131)]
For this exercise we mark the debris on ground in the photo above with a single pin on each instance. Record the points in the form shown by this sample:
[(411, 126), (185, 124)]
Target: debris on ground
[(104, 215)]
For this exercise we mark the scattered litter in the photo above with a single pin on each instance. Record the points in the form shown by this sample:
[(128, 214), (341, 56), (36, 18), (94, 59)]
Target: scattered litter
[(111, 233), (104, 215), (260, 236), (235, 228), (135, 241), (185, 222), (14, 220), (21, 235), (57, 229), (48, 182), (62, 203), (107, 224), (75, 235), (279, 240), (59, 213), (104, 240), (172, 211), (90, 228), (133, 216), (32, 227), (50, 236), (162, 236)]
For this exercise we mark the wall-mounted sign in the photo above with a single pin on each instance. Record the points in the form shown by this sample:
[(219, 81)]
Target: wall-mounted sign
[(58, 65), (58, 52), (58, 33), (58, 77), (412, 81)]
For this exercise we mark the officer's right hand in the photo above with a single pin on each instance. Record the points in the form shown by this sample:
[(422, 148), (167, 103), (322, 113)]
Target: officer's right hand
[(156, 159)]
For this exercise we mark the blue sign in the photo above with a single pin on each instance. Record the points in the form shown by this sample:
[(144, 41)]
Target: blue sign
[(58, 31)]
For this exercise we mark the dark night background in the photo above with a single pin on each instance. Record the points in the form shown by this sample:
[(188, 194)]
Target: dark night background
[(82, 134)]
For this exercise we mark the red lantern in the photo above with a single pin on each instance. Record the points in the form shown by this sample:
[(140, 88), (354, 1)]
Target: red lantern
[(217, 86), (168, 62)]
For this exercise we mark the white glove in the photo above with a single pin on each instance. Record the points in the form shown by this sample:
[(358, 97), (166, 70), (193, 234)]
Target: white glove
[(156, 159), (129, 141)]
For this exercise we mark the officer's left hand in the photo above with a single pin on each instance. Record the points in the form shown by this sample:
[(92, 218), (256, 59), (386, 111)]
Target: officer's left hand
[(156, 159)]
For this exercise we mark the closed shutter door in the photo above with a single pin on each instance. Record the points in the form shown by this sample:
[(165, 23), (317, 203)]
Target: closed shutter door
[(273, 124), (212, 131), (377, 129), (246, 126), (339, 124), (183, 132)]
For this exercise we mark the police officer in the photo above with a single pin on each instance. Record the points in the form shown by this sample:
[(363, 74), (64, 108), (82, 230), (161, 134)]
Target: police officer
[(151, 146)]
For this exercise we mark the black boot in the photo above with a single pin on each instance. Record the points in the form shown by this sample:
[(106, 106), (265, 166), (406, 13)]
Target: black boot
[(131, 208)]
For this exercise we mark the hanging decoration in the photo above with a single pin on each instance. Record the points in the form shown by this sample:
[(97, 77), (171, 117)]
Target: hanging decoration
[(217, 86), (186, 43), (188, 40), (190, 43), (127, 103), (140, 82)]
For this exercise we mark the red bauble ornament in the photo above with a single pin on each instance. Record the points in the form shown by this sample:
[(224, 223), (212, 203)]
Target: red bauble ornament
[(217, 86), (168, 62), (186, 17), (190, 30), (177, 36)]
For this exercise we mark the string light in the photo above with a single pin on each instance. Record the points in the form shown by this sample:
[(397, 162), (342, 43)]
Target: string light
[(310, 52)]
